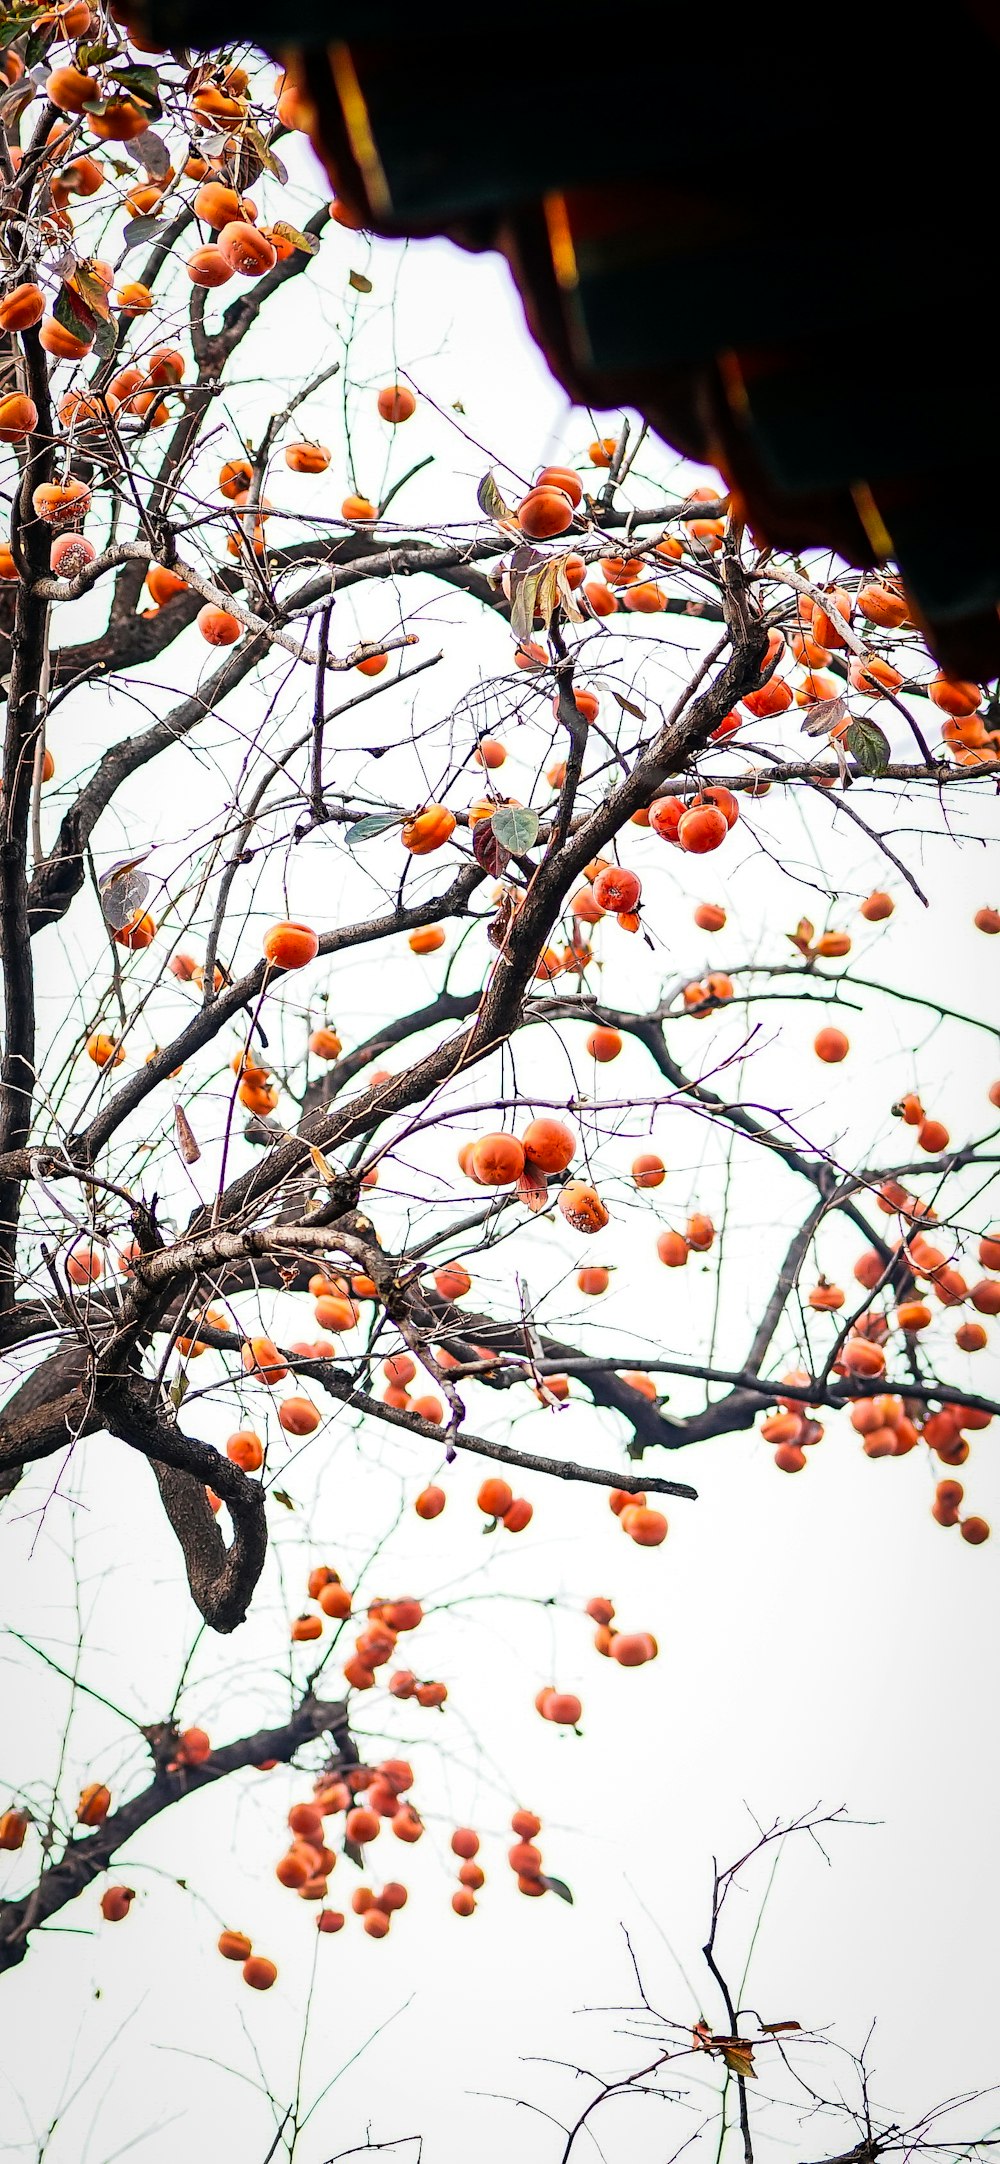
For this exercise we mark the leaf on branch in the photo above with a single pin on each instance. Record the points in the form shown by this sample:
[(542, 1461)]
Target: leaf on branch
[(281, 1495), (178, 1389), (70, 310), (515, 827), (140, 230), (187, 1141), (123, 889), (567, 597), (269, 159), (497, 930), (490, 501), (150, 151), (558, 1886), (488, 849), (306, 243), (628, 708), (777, 2028), (142, 84), (106, 339), (738, 2056), (16, 101), (533, 593), (802, 937), (322, 1164), (822, 718), (869, 745), (360, 283), (365, 830)]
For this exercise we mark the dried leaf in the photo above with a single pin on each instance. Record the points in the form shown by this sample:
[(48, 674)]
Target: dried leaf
[(360, 283), (497, 931), (533, 1189), (488, 849), (365, 830), (568, 600), (869, 745), (628, 708), (281, 1495), (178, 1389), (491, 502), (123, 889), (777, 2028), (822, 717), (306, 243), (322, 1164), (802, 937), (515, 827), (523, 598), (269, 159), (738, 2057), (187, 1142)]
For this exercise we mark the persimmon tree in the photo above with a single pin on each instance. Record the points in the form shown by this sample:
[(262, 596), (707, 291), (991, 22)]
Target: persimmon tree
[(228, 1208)]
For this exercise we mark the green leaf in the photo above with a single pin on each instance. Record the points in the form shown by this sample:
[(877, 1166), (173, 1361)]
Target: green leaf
[(307, 243), (15, 26), (365, 830), (106, 340), (178, 1390), (515, 827), (140, 230), (490, 501), (558, 1886), (70, 311), (360, 283), (150, 151), (143, 84), (869, 745)]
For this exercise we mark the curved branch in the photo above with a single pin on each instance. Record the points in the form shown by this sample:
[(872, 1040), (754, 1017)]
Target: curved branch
[(86, 1856)]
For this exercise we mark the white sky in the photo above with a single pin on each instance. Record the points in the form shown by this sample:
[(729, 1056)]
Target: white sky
[(821, 1639)]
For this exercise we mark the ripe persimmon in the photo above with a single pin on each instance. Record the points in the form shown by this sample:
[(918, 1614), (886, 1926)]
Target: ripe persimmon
[(13, 1828), (290, 945), (832, 1046), (430, 1502), (975, 1531), (549, 1144), (604, 1044), (428, 829), (307, 457), (396, 403), (262, 1359), (259, 1973), (498, 1160), (702, 828), (581, 1205), (494, 1497), (94, 1804), (298, 1416), (453, 1281), (672, 1249), (544, 512), (218, 627), (648, 1528), (961, 700)]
